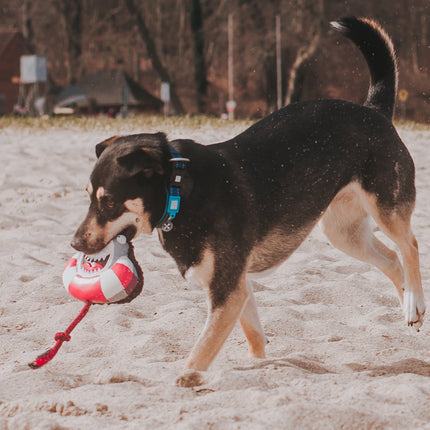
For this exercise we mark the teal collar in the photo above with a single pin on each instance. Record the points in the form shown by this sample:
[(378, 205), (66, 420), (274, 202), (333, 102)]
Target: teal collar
[(173, 190)]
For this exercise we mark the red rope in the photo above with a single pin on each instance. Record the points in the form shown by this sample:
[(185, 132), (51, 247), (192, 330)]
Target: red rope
[(64, 336)]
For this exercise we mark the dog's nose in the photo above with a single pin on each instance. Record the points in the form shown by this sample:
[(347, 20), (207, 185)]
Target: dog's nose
[(83, 243), (78, 244)]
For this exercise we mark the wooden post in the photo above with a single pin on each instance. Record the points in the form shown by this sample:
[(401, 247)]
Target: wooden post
[(278, 62), (230, 104)]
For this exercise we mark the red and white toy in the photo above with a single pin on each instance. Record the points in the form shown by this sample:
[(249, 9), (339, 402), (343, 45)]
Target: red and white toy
[(111, 276), (106, 277)]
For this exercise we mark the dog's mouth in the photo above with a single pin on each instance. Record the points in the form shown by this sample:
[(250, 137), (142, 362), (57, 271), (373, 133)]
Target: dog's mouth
[(94, 263), (129, 232)]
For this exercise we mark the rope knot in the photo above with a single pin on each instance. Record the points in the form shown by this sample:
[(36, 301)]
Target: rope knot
[(63, 337)]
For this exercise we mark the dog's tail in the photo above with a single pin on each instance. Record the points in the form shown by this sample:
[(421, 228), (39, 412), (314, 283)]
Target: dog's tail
[(378, 50)]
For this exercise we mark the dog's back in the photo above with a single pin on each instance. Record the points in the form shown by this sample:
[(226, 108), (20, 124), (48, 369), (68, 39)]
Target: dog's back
[(295, 161)]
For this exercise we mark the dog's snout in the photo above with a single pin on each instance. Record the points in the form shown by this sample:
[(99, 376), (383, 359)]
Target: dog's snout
[(85, 239), (80, 240), (78, 244), (82, 245), (87, 242)]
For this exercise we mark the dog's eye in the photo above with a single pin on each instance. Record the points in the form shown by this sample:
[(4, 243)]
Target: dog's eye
[(109, 203)]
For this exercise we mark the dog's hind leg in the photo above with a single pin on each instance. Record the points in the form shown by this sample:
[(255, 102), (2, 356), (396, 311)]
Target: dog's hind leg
[(396, 225), (346, 225), (251, 326)]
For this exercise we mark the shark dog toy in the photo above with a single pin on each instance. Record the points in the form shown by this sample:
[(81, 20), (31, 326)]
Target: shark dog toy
[(107, 277), (111, 276)]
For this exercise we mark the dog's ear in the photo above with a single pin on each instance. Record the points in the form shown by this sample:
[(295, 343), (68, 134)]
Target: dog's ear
[(100, 147), (142, 160)]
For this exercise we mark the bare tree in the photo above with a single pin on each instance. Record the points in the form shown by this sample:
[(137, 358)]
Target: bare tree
[(27, 25), (153, 54), (415, 37), (200, 77), (315, 10), (71, 11)]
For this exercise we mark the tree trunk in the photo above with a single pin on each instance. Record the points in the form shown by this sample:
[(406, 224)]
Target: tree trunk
[(153, 55), (200, 77), (27, 26), (305, 53), (71, 11), (297, 72)]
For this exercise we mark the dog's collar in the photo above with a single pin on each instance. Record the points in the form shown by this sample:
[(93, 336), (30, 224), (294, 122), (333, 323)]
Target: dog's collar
[(173, 190)]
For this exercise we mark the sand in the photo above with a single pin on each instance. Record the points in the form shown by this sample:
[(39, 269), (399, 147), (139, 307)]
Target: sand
[(340, 355)]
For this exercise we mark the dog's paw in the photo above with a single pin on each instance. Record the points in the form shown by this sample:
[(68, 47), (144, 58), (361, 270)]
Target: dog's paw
[(414, 309), (189, 379)]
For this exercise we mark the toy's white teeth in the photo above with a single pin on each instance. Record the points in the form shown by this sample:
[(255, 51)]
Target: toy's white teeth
[(93, 260), (91, 272)]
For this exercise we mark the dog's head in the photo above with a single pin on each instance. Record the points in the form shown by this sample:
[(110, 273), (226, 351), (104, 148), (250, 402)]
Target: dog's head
[(126, 189)]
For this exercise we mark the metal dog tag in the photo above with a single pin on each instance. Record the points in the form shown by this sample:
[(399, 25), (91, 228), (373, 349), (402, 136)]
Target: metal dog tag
[(167, 226)]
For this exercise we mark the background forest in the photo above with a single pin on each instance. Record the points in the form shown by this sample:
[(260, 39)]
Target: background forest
[(185, 43)]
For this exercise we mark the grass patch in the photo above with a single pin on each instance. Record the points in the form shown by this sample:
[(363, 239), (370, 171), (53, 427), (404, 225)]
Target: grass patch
[(413, 126), (144, 123)]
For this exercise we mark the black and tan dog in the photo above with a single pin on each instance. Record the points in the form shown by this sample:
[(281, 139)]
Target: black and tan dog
[(245, 205)]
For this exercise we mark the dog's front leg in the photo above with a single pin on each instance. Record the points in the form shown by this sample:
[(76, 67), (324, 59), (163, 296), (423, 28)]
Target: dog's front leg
[(219, 324), (251, 326)]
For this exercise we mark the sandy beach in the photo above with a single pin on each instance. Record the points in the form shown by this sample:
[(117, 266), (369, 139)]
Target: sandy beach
[(340, 354)]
